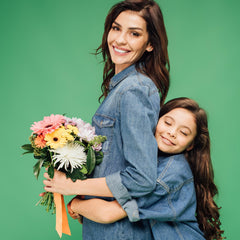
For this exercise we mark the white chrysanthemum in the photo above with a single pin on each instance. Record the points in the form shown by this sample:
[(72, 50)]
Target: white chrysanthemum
[(71, 154)]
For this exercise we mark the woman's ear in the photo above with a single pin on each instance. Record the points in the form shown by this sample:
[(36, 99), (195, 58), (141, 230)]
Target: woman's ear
[(149, 47)]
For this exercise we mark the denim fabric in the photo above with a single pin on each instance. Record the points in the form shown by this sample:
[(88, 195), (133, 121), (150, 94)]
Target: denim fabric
[(128, 117), (172, 205)]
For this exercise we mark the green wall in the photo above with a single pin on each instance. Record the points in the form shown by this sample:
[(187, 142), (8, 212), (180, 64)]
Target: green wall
[(46, 66)]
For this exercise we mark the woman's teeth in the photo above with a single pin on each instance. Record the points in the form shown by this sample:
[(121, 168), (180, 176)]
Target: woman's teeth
[(120, 50)]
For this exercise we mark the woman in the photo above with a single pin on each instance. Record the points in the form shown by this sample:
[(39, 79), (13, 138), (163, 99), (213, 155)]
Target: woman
[(134, 49)]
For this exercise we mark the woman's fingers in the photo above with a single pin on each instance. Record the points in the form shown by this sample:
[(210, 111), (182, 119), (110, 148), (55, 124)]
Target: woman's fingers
[(59, 183), (42, 194), (46, 176), (48, 182)]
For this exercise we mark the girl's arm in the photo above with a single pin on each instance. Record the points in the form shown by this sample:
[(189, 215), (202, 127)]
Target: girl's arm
[(97, 210)]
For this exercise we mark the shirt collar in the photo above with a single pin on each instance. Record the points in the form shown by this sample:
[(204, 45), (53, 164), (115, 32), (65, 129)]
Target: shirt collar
[(121, 76)]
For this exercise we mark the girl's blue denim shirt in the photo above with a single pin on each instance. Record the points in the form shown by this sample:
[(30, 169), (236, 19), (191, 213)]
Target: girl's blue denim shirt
[(172, 205), (127, 117)]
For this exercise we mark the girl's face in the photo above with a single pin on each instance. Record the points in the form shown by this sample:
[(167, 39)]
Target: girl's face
[(176, 131), (127, 39)]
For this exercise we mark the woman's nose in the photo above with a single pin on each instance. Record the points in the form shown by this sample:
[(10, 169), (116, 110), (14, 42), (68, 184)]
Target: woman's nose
[(121, 39)]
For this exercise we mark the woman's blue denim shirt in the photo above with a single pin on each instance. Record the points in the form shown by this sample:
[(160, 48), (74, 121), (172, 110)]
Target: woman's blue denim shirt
[(127, 117), (172, 205)]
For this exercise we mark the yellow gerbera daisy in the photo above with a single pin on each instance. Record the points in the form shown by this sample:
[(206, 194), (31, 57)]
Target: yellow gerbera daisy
[(56, 139), (72, 129), (67, 134)]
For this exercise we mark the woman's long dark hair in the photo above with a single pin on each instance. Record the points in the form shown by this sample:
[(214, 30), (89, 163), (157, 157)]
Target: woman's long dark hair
[(154, 64), (201, 165)]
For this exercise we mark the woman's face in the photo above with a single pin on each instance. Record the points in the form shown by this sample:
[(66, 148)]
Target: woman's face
[(127, 39), (176, 131)]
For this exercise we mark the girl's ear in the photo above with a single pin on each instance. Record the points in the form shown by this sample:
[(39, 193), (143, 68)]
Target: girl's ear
[(190, 147)]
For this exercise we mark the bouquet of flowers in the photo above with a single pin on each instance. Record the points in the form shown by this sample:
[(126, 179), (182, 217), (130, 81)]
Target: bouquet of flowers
[(67, 144)]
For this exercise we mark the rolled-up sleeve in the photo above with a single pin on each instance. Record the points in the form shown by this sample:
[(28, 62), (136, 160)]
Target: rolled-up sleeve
[(138, 115)]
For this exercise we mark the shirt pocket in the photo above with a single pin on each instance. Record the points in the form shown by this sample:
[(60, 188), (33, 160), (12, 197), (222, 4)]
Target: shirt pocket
[(104, 125)]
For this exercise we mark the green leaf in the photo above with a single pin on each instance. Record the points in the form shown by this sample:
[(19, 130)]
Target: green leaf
[(76, 174), (46, 164), (26, 153), (37, 167), (99, 157), (37, 157), (91, 160), (51, 171), (84, 170), (27, 147), (80, 143)]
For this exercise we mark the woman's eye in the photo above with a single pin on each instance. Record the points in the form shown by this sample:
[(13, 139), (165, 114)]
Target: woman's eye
[(115, 28), (135, 34)]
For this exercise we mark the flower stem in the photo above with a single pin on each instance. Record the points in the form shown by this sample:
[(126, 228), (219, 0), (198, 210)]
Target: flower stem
[(48, 201)]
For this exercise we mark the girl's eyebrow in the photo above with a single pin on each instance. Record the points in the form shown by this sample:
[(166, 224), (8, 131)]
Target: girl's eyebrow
[(131, 28), (169, 117)]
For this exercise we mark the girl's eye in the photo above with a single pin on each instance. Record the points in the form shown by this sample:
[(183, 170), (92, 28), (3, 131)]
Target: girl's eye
[(167, 123), (184, 133)]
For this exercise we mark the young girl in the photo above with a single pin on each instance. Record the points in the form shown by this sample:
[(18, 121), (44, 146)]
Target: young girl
[(134, 49), (182, 202)]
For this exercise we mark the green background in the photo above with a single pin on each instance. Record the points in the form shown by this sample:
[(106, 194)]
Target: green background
[(47, 66)]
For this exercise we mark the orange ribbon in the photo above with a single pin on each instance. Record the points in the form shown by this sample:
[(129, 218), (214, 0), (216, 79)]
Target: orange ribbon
[(61, 215)]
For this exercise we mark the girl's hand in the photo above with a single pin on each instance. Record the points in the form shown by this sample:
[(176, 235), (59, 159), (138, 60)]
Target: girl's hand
[(73, 214), (59, 184)]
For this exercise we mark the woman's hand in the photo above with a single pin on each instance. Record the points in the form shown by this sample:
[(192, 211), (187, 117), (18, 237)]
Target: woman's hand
[(59, 184), (63, 185)]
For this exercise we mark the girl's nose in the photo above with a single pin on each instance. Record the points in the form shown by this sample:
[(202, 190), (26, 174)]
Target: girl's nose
[(172, 132)]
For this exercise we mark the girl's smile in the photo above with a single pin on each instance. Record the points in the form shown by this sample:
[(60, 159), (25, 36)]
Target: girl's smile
[(167, 141)]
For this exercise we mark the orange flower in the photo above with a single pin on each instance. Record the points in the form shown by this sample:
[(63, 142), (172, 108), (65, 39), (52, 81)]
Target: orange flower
[(40, 142)]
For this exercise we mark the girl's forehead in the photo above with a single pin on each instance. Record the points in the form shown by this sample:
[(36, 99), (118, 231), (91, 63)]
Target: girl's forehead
[(180, 112), (182, 117)]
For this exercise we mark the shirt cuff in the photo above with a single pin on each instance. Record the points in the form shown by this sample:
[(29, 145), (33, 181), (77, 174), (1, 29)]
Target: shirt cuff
[(131, 209), (119, 191), (123, 197)]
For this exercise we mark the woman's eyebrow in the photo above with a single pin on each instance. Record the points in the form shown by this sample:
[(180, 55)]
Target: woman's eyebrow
[(131, 28)]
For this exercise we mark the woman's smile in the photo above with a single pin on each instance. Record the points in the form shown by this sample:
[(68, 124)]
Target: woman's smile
[(121, 51)]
